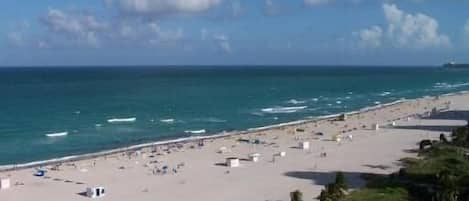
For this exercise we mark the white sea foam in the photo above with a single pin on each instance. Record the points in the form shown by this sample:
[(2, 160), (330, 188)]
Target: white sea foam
[(258, 114), (122, 120), (212, 120), (167, 120), (385, 93), (279, 110), (295, 102), (444, 85), (61, 134), (196, 131)]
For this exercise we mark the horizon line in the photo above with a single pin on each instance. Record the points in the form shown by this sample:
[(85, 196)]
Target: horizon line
[(214, 65)]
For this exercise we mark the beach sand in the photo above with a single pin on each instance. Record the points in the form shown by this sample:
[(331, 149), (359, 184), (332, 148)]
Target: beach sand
[(198, 173)]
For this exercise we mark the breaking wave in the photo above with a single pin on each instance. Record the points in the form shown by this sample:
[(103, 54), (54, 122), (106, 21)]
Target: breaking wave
[(284, 110)]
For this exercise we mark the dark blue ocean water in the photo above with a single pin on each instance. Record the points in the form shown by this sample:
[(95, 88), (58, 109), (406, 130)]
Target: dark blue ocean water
[(38, 101)]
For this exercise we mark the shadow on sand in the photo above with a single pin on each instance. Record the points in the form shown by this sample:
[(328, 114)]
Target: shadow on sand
[(428, 127), (354, 179), (447, 115), (82, 194), (451, 115)]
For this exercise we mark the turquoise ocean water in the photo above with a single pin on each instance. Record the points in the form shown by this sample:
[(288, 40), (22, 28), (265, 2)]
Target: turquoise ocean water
[(39, 101)]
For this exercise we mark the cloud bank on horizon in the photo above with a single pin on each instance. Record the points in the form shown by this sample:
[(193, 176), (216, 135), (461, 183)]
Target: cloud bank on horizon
[(234, 32)]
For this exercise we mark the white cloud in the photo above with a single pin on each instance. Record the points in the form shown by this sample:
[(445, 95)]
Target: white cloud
[(43, 45), (236, 8), (126, 31), (323, 2), (16, 39), (160, 7), (223, 42), (418, 30), (466, 30), (404, 30), (352, 2), (371, 37), (164, 35), (77, 27), (271, 8), (316, 2)]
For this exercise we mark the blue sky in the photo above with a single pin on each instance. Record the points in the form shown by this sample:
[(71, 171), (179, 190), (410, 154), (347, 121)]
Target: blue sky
[(236, 32)]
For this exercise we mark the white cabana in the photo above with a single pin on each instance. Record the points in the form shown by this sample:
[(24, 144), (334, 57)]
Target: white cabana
[(254, 157), (375, 127), (95, 192), (232, 162), (393, 123), (4, 183), (304, 145)]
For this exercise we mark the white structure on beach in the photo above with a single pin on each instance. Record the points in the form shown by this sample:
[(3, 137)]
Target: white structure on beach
[(337, 138), (4, 183), (375, 127), (232, 162), (282, 154), (304, 145), (343, 117), (223, 150), (254, 157), (95, 192)]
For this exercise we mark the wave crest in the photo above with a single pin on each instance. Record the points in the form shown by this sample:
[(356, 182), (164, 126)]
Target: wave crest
[(280, 110)]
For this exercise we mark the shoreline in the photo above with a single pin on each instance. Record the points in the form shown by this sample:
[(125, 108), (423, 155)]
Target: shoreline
[(185, 171), (184, 140)]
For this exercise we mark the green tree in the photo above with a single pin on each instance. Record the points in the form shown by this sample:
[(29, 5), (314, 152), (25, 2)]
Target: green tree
[(296, 196), (334, 191), (340, 181), (448, 190), (461, 136)]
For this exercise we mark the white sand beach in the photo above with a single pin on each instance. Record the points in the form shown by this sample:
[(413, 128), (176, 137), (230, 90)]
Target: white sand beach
[(192, 172)]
